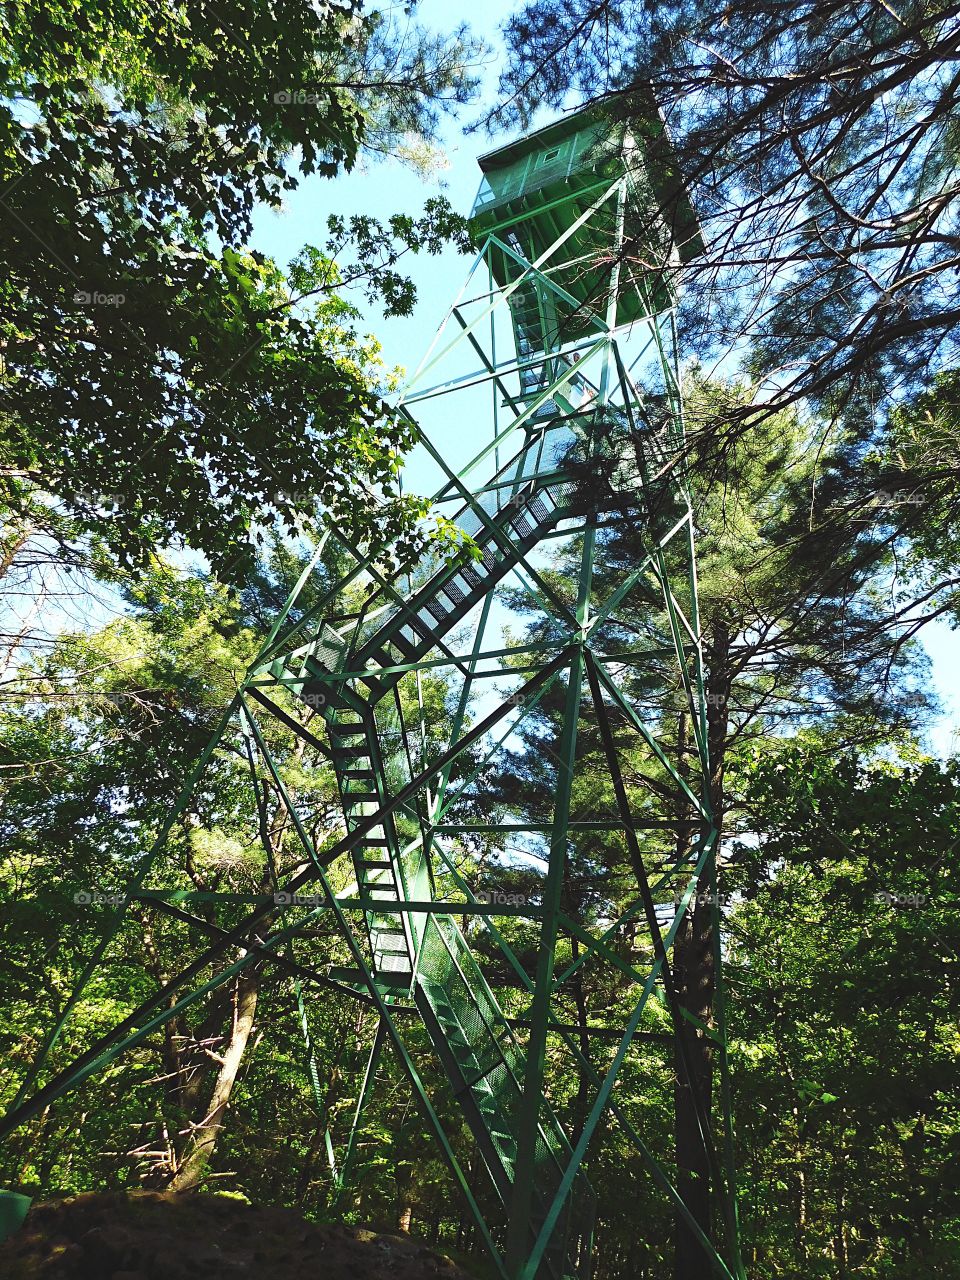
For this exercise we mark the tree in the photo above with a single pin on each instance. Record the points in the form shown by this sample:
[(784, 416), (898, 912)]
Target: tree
[(843, 961), (96, 742), (161, 382), (841, 1029), (98, 738), (819, 145), (800, 628)]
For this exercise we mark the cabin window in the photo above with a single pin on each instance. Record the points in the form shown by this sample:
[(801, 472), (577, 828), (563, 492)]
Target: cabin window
[(550, 155)]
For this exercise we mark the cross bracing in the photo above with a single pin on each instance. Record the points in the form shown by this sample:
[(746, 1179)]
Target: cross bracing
[(549, 412)]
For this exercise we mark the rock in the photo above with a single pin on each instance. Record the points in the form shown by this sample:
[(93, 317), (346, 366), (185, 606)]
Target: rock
[(167, 1236)]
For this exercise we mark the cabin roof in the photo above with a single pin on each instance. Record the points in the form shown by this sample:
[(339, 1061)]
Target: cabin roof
[(540, 139), (647, 128)]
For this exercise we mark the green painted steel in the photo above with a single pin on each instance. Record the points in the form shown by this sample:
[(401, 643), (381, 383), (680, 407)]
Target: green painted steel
[(13, 1210), (549, 408), (534, 188)]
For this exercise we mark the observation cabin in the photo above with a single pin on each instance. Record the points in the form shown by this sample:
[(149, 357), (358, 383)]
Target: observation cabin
[(537, 188)]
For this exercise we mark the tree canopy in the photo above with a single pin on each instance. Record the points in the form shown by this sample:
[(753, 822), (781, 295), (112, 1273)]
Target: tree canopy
[(161, 381), (819, 145)]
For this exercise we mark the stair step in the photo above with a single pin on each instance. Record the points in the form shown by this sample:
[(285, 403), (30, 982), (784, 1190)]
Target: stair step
[(436, 609), (466, 587), (399, 945), (383, 657), (522, 524), (374, 864), (454, 592), (387, 978), (466, 1058), (389, 940)]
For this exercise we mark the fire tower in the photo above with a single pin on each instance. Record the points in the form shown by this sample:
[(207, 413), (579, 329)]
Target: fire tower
[(548, 416)]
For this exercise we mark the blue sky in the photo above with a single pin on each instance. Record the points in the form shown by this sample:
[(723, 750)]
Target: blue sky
[(387, 187)]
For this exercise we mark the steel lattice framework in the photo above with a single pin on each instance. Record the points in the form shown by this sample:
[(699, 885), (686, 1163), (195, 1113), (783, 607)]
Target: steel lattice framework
[(570, 357)]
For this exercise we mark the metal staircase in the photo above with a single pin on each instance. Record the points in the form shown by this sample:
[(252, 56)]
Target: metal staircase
[(433, 963), (427, 957), (587, 452), (485, 1064)]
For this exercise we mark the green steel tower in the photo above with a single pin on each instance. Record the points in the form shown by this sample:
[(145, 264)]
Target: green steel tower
[(548, 419)]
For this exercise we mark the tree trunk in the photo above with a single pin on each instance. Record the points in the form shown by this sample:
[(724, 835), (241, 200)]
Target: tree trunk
[(403, 1179), (203, 1137), (10, 549), (840, 1240), (695, 978)]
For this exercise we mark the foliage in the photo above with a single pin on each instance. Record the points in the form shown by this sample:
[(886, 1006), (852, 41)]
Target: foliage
[(843, 970), (161, 382), (819, 143)]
